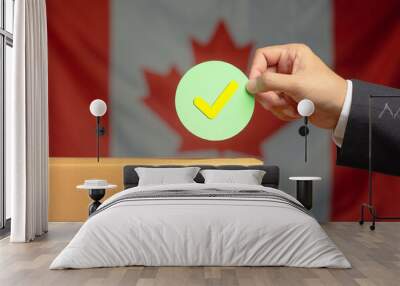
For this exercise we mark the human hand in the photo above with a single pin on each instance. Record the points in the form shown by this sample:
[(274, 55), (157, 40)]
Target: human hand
[(281, 76)]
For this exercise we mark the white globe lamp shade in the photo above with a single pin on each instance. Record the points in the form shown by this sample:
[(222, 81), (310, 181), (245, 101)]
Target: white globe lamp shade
[(98, 107), (305, 107)]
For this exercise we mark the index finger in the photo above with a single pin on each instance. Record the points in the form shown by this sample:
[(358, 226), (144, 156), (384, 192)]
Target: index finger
[(264, 58)]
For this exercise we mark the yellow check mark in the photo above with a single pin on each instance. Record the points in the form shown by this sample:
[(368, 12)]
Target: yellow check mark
[(212, 111)]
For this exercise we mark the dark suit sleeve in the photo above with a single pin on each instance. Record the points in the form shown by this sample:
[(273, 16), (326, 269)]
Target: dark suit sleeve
[(385, 129)]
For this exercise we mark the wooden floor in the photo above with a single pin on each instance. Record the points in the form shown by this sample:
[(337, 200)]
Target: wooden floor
[(375, 257)]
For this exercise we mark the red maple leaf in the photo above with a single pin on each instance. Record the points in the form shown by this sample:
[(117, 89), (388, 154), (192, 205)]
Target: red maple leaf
[(161, 98)]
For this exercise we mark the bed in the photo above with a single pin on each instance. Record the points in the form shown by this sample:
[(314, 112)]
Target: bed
[(201, 224)]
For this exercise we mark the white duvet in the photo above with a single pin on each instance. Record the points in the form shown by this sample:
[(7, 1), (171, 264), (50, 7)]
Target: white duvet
[(200, 231)]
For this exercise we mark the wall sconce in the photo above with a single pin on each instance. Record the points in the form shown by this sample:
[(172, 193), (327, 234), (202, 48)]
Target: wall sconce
[(98, 108), (305, 108)]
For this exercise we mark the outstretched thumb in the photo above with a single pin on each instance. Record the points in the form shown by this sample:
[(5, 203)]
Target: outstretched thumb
[(272, 81)]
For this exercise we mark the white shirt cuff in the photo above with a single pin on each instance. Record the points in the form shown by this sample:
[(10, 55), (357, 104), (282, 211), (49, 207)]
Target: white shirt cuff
[(338, 133)]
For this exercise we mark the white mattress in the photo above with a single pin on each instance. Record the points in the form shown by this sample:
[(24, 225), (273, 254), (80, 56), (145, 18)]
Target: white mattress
[(200, 231)]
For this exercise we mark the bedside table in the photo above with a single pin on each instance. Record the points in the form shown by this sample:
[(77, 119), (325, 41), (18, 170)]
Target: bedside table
[(304, 190), (97, 190)]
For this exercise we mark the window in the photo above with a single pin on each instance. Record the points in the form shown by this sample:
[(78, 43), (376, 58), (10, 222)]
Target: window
[(6, 62)]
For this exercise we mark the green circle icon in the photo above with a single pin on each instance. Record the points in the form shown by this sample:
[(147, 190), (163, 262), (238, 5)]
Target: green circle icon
[(212, 101)]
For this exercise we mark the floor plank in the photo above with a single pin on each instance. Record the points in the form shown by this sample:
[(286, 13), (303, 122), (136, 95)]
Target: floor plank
[(375, 257)]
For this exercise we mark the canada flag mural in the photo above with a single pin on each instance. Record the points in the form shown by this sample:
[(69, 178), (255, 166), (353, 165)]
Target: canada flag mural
[(162, 88), (132, 55)]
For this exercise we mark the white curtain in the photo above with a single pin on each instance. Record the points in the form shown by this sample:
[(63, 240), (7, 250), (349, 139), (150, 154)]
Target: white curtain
[(27, 124)]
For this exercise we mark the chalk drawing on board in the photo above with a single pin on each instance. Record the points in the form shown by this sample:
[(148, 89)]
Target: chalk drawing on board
[(387, 109)]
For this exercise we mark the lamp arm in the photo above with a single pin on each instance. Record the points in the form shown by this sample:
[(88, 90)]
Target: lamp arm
[(305, 138), (100, 131)]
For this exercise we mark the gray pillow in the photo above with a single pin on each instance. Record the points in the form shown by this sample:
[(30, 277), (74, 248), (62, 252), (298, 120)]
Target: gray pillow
[(247, 177), (164, 176)]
